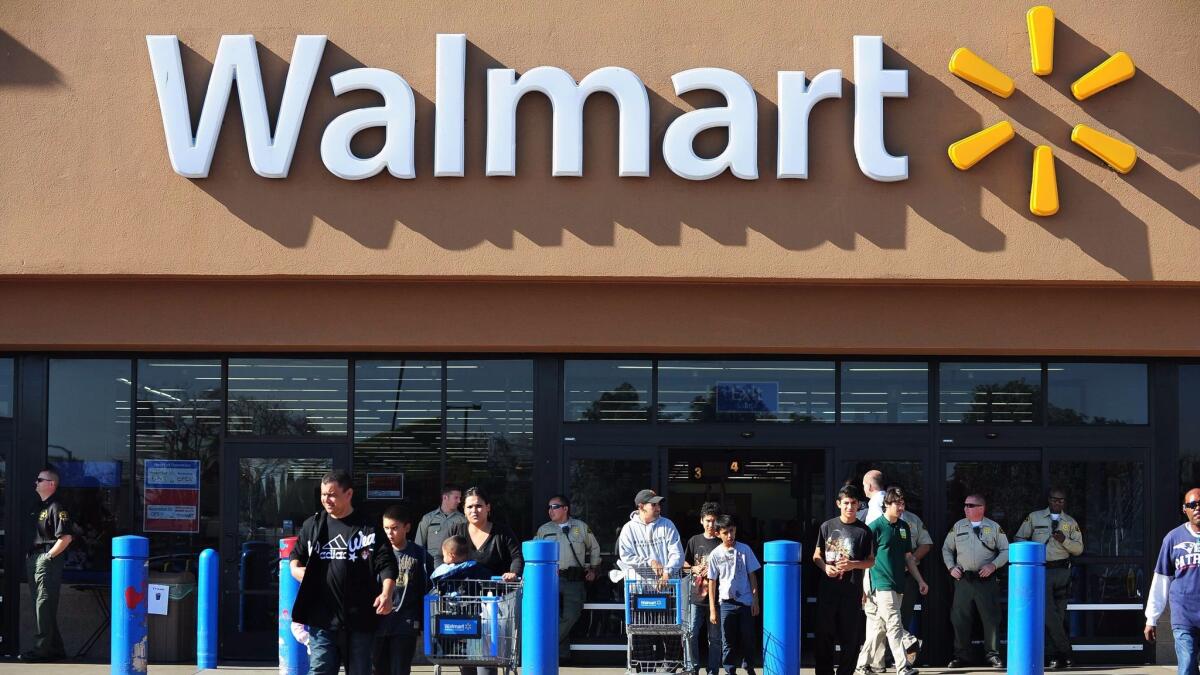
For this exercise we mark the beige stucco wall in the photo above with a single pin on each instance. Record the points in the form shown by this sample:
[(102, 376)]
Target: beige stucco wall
[(87, 188)]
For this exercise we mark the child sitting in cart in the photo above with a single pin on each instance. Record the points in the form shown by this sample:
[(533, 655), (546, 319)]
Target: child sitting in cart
[(457, 567)]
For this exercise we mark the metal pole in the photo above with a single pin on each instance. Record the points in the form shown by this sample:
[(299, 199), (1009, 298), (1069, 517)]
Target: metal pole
[(781, 608), (539, 609), (128, 646), (1026, 608), (206, 611), (293, 656)]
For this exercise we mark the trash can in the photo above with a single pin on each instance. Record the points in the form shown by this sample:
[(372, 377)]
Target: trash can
[(173, 635)]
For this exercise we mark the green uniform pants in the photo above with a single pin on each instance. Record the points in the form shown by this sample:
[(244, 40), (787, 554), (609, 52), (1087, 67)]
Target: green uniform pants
[(1058, 590), (571, 595), (45, 580), (982, 595)]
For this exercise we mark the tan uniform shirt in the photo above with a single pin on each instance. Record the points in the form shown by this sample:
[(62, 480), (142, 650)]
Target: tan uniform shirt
[(920, 534), (577, 548), (971, 551), (1039, 527)]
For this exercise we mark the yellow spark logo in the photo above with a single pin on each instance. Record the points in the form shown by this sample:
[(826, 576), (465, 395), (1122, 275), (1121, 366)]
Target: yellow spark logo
[(1043, 188)]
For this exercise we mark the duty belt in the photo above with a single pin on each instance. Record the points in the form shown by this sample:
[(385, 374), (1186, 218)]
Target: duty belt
[(1059, 564)]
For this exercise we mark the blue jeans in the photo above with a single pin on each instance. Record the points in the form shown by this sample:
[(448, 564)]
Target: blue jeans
[(1187, 649), (697, 622), (329, 649), (737, 636)]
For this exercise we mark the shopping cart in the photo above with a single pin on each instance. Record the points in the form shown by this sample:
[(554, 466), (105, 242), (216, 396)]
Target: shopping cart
[(474, 623), (655, 631)]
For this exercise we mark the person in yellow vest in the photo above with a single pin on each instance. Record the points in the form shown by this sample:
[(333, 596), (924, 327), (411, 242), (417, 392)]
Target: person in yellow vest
[(1063, 539)]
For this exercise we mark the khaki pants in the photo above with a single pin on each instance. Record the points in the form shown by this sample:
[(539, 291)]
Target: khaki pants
[(883, 628)]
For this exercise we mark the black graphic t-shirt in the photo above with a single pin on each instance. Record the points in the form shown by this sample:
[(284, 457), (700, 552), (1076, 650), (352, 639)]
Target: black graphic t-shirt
[(839, 540), (412, 582), (696, 554), (345, 560)]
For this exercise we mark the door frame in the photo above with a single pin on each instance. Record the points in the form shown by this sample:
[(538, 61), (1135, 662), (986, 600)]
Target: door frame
[(233, 645)]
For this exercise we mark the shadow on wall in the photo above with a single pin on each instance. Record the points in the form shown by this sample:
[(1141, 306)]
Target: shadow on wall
[(837, 205), (20, 66)]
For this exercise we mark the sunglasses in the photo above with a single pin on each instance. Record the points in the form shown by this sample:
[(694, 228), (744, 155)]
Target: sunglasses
[(555, 507), (969, 505), (1058, 499), (44, 480), (1193, 505)]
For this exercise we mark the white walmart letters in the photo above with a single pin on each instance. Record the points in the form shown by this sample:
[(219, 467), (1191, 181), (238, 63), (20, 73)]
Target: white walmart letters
[(271, 156)]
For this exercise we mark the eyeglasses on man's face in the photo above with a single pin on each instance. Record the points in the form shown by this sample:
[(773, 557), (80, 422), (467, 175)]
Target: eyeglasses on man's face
[(1193, 505), (555, 507), (1058, 500), (969, 505), (41, 480)]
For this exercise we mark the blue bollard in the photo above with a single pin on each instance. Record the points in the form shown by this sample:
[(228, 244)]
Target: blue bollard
[(539, 609), (781, 602), (206, 611), (1026, 608), (293, 656), (128, 647)]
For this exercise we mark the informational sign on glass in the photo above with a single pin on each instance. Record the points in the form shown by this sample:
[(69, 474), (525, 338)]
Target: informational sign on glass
[(172, 495)]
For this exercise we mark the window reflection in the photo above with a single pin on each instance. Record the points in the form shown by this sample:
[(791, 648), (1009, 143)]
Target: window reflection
[(1100, 583), (88, 444), (745, 391), (1108, 500), (607, 391), (287, 397), (1097, 393), (1011, 489), (885, 393), (489, 434), (178, 417), (398, 430), (991, 393), (7, 385)]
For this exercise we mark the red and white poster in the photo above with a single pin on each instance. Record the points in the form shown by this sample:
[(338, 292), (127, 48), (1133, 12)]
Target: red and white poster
[(172, 495)]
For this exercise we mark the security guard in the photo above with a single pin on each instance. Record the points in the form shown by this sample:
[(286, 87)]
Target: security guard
[(1063, 539), (578, 558), (435, 525), (975, 548), (44, 565)]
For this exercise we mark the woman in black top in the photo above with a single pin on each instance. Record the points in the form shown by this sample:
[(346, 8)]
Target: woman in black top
[(493, 545)]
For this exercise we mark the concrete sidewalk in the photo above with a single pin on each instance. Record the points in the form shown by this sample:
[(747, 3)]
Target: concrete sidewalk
[(12, 668)]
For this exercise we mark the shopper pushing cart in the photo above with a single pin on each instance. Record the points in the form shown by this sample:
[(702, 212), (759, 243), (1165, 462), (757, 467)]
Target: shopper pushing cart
[(650, 554)]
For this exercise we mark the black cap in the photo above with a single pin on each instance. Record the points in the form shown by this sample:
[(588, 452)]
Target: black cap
[(646, 497)]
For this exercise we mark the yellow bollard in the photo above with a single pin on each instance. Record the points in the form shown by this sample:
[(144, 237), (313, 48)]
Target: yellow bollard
[(1117, 154), (1115, 70), (967, 152), (970, 67), (1043, 190), (1040, 21)]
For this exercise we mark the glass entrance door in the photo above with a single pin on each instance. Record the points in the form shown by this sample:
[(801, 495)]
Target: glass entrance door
[(269, 494)]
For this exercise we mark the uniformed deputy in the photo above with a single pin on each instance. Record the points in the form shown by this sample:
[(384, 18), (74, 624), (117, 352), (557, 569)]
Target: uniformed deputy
[(44, 565), (435, 525), (578, 558), (975, 548), (1063, 539)]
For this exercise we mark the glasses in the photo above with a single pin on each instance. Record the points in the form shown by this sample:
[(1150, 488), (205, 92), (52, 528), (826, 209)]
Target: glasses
[(555, 507), (1193, 505), (969, 505), (1058, 499), (43, 480)]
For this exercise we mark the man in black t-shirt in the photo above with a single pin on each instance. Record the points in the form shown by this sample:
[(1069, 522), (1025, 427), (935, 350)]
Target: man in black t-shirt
[(347, 573), (845, 547), (695, 557)]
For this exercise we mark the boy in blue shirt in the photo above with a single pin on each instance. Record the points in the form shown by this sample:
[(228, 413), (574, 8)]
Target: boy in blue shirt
[(733, 596)]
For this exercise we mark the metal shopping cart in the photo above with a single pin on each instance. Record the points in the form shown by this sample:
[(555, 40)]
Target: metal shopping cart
[(655, 631), (474, 623)]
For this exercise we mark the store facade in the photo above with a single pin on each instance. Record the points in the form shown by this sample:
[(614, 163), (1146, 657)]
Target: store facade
[(494, 301)]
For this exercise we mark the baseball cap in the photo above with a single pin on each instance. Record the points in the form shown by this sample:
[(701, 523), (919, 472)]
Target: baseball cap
[(646, 497)]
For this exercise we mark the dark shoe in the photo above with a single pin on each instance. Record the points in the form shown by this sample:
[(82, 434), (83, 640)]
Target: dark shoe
[(1054, 664), (34, 657), (994, 661), (956, 663)]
